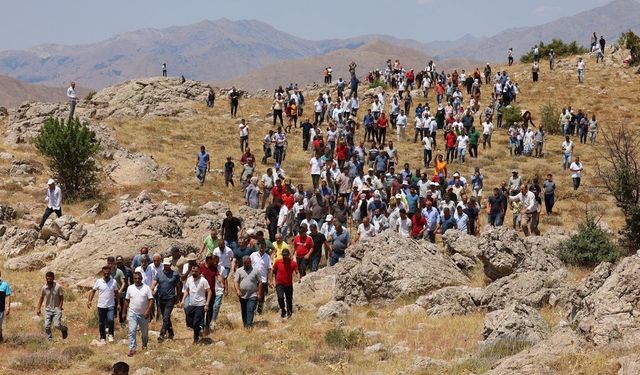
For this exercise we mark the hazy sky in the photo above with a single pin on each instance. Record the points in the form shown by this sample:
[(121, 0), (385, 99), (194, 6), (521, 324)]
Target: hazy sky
[(31, 22)]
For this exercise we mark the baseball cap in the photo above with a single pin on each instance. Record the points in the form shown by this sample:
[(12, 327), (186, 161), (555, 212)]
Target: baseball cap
[(166, 261), (51, 181), (456, 174), (329, 217), (119, 258)]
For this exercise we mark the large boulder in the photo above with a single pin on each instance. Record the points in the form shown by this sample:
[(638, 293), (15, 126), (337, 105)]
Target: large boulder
[(30, 262), (462, 247), (18, 241), (517, 322), (333, 310), (451, 300), (391, 267), (532, 288), (608, 313)]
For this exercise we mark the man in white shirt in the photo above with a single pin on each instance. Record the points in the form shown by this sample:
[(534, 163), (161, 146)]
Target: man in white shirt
[(244, 134), (315, 165), (576, 172), (73, 99), (567, 151), (107, 289), (199, 292), (366, 231), (530, 210), (148, 272), (139, 301), (54, 202), (462, 142), (487, 130), (260, 260), (401, 125), (226, 258), (403, 224), (427, 143)]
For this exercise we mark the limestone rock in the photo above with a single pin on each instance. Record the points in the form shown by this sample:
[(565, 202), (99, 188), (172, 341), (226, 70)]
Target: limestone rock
[(462, 247), (452, 300), (333, 310), (375, 348), (501, 252), (532, 288), (7, 213), (629, 365), (144, 371), (393, 267), (609, 311), (30, 262), (215, 208), (425, 363), (517, 322), (18, 241)]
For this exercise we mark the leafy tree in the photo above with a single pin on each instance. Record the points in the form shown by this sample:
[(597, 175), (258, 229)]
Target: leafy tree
[(511, 114), (559, 47), (589, 246), (549, 115), (631, 41), (70, 148)]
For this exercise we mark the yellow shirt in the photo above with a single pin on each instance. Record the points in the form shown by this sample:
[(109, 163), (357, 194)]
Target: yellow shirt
[(279, 247)]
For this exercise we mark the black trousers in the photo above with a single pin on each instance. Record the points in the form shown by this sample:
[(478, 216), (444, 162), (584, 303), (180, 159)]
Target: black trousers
[(427, 158), (549, 201), (48, 213), (194, 315), (166, 307), (285, 293), (234, 109), (277, 114), (473, 150)]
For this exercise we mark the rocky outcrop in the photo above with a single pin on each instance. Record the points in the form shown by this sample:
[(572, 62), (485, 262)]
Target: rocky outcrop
[(452, 300), (462, 247), (65, 227), (30, 262), (18, 241), (517, 322), (532, 288), (148, 97), (333, 310), (607, 308), (7, 213), (392, 267)]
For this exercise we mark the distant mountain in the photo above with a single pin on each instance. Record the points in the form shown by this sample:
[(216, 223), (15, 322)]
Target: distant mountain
[(369, 56), (14, 92), (208, 51), (609, 20)]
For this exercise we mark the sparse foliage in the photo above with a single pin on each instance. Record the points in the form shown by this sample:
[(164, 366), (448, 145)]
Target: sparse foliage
[(589, 246), (70, 148), (549, 115), (378, 83), (619, 170), (559, 47), (342, 339), (631, 41), (511, 114)]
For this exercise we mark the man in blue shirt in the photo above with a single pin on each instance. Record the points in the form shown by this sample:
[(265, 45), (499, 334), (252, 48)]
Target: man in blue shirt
[(5, 302), (432, 215), (203, 165), (446, 221), (167, 283), (368, 122), (412, 201)]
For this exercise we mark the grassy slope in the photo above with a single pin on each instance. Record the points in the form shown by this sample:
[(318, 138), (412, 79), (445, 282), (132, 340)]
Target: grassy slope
[(299, 345)]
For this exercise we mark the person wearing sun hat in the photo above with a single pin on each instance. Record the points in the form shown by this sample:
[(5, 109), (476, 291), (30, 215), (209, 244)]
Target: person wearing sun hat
[(54, 202)]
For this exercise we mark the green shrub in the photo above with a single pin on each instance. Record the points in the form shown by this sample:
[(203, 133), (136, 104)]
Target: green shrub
[(549, 118), (70, 149), (631, 41), (511, 114), (589, 246), (378, 83), (342, 339), (559, 47)]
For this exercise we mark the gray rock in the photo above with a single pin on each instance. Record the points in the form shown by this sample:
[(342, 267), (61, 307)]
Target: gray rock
[(375, 348), (629, 365), (452, 300), (517, 322), (392, 267), (333, 310), (144, 371), (425, 363), (30, 262), (501, 252), (532, 288), (18, 241)]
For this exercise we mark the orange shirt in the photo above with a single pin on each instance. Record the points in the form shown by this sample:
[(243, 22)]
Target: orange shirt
[(440, 167)]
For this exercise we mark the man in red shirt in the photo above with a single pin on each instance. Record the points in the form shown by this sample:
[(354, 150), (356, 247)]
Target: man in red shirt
[(283, 270), (418, 223), (303, 245), (451, 139), (210, 271), (383, 123)]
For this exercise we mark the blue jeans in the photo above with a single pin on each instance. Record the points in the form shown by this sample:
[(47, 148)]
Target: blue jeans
[(580, 75), (138, 320), (217, 303), (166, 307), (495, 220), (566, 161), (105, 321), (1, 320), (233, 245), (247, 308)]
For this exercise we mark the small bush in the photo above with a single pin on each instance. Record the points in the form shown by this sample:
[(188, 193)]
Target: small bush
[(511, 114), (559, 47), (488, 356), (589, 246), (342, 339), (33, 341), (70, 148), (549, 115), (49, 360), (631, 41), (324, 357), (89, 96), (378, 83)]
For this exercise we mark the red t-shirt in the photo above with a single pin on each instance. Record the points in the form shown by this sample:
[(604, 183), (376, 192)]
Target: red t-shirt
[(284, 272), (451, 139), (277, 192), (288, 200), (382, 122), (302, 246), (341, 152), (417, 224), (209, 274)]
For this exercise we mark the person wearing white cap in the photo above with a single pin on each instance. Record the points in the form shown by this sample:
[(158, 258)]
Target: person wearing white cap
[(54, 202)]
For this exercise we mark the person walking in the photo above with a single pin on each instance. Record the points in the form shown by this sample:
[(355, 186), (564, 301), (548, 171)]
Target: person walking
[(54, 202), (261, 261), (164, 69), (5, 302), (535, 70), (576, 172), (234, 99), (199, 292), (303, 246), (203, 164), (549, 188), (567, 151), (580, 66), (283, 270), (211, 98), (139, 304), (248, 286), (73, 100), (244, 135), (340, 239), (167, 284), (530, 211), (53, 296), (211, 270), (107, 289)]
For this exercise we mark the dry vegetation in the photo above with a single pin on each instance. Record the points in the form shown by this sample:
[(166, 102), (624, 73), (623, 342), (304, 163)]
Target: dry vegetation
[(300, 345)]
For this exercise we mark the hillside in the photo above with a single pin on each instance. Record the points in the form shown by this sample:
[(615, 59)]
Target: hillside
[(609, 20), (14, 92), (369, 56)]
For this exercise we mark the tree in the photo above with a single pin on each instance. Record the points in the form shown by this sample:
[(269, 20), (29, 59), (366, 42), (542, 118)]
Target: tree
[(511, 114), (619, 169), (549, 118), (631, 41), (70, 148), (589, 246), (559, 47)]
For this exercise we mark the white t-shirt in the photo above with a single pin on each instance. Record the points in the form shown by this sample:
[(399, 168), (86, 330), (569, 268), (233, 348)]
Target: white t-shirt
[(427, 142), (316, 165), (401, 120), (106, 292), (487, 128), (404, 226), (138, 297), (317, 106), (366, 233), (262, 263), (462, 141), (226, 258), (197, 290), (244, 130), (580, 65), (148, 275), (575, 169)]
